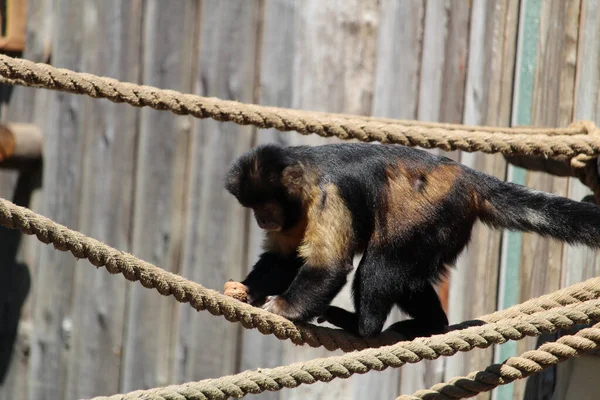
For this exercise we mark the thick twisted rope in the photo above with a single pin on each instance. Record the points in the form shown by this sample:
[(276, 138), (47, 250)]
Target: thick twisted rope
[(567, 142), (201, 298), (514, 368), (327, 369), (185, 291)]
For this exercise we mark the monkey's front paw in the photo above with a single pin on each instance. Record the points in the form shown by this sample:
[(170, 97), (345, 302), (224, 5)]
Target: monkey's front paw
[(256, 299), (280, 306)]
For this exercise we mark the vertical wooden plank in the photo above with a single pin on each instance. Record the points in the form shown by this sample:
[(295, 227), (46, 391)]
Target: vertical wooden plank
[(62, 186), (581, 263), (215, 248), (111, 47), (487, 101), (277, 54), (444, 64), (397, 81), (8, 180), (552, 105), (581, 381), (333, 69), (27, 105), (442, 77), (159, 195), (399, 53), (521, 115)]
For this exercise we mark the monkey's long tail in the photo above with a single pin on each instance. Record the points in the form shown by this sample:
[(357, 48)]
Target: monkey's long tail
[(510, 206)]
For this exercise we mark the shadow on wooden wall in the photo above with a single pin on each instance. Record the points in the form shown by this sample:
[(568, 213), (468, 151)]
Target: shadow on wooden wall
[(15, 277)]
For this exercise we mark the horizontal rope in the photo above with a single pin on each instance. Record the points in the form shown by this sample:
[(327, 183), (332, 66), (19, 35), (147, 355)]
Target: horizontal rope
[(579, 139), (360, 362), (201, 298), (514, 368)]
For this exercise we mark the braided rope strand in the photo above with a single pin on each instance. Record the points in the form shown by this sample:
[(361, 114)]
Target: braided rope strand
[(360, 362), (514, 368), (566, 142), (201, 298)]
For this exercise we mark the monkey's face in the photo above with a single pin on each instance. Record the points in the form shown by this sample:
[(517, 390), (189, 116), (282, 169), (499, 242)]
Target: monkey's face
[(269, 216)]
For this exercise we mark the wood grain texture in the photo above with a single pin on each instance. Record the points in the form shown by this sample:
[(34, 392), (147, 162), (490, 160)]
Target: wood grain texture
[(215, 247), (111, 47), (580, 263), (552, 105), (487, 101), (159, 197), (508, 288), (397, 82), (426, 71), (20, 252), (333, 69), (399, 52), (274, 88), (63, 157), (440, 98)]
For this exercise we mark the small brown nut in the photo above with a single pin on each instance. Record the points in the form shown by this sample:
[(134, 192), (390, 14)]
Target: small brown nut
[(237, 290)]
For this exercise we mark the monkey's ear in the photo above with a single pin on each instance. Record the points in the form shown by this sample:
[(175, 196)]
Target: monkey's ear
[(293, 178)]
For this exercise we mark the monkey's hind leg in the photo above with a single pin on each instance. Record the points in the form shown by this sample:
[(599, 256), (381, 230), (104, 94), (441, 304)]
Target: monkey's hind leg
[(374, 292), (373, 298), (422, 303), (341, 318)]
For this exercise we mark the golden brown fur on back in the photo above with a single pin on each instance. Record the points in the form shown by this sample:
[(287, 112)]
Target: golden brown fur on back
[(412, 195)]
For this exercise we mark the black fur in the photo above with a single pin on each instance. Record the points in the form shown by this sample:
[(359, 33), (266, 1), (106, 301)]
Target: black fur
[(273, 160), (272, 274), (401, 267), (517, 207)]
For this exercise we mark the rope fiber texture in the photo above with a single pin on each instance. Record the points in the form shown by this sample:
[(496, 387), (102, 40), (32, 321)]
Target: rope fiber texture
[(201, 298), (562, 309), (579, 140), (360, 362), (514, 368)]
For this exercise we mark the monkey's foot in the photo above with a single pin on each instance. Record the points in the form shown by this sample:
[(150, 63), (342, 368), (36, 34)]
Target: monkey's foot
[(278, 305), (412, 329)]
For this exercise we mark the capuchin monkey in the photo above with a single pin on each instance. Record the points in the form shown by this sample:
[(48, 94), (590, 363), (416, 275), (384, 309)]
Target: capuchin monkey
[(409, 212)]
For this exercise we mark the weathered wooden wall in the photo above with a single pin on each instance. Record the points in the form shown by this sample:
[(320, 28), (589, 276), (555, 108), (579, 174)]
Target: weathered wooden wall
[(150, 182)]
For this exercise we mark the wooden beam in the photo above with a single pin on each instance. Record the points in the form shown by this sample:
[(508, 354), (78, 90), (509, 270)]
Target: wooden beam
[(21, 145), (16, 22)]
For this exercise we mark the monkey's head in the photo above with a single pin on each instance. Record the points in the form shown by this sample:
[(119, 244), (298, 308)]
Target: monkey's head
[(266, 180)]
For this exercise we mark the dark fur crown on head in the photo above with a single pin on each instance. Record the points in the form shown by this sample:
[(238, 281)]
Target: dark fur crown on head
[(257, 171)]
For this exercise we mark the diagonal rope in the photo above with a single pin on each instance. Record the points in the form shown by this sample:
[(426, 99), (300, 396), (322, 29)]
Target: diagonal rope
[(514, 368), (201, 298), (360, 362), (578, 139)]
